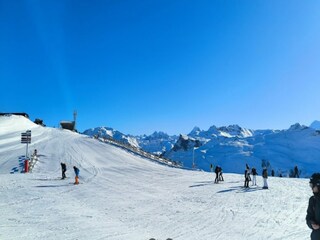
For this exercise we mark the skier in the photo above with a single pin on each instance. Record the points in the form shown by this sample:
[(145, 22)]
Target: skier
[(313, 211), (63, 169), (211, 167), (254, 176), (216, 170), (296, 172), (76, 171), (247, 166), (246, 177), (265, 177), (220, 174)]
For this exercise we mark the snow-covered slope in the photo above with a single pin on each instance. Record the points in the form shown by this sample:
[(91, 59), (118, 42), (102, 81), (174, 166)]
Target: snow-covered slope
[(123, 196)]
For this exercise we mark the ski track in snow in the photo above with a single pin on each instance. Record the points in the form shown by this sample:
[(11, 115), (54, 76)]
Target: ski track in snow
[(123, 196)]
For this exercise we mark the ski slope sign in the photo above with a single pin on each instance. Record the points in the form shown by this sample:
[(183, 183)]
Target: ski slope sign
[(26, 137)]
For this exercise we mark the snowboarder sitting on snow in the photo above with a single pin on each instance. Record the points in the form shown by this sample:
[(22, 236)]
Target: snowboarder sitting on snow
[(313, 211), (76, 171), (63, 169)]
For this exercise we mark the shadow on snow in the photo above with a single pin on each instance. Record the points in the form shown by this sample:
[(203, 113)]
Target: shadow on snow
[(52, 186), (241, 189), (201, 184), (238, 189)]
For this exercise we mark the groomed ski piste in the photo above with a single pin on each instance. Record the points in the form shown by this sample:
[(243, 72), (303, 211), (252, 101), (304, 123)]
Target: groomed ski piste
[(123, 196)]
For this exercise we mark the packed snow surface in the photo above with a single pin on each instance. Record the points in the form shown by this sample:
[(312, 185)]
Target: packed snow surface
[(126, 197)]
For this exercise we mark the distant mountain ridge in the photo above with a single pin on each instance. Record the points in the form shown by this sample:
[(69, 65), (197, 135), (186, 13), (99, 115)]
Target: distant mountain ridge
[(315, 125), (157, 143), (107, 132), (232, 147)]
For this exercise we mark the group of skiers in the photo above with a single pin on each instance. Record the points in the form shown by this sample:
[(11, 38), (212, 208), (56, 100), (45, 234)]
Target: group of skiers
[(76, 171), (247, 176), (254, 173)]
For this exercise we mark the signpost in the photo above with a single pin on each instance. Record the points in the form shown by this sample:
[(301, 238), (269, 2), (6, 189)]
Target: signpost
[(26, 138)]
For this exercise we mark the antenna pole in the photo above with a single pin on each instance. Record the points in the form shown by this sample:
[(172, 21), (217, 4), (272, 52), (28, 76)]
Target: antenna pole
[(75, 118)]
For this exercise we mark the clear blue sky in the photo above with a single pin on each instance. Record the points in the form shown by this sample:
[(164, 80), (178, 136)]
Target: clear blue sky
[(141, 66)]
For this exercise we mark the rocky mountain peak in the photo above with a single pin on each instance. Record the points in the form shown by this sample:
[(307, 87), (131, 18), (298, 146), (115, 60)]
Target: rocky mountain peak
[(297, 126)]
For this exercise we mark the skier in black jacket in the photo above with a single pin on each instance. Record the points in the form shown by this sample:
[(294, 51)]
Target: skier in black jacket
[(63, 169), (247, 177), (217, 171), (313, 211)]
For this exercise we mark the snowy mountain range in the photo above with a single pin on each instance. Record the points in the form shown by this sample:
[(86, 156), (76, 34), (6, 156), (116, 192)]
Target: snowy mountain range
[(232, 147)]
